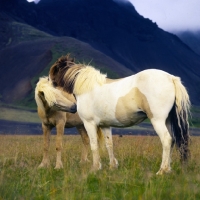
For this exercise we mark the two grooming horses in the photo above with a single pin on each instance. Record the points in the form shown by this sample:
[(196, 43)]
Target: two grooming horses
[(105, 103)]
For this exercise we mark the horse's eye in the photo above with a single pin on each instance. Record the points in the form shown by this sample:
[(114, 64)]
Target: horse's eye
[(55, 84)]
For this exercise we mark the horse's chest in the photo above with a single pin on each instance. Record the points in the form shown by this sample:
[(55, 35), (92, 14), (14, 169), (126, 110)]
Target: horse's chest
[(50, 121), (52, 118)]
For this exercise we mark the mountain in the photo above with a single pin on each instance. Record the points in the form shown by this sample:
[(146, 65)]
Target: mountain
[(27, 54), (126, 41), (192, 39)]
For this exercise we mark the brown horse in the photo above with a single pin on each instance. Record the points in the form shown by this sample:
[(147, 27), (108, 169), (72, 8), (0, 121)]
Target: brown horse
[(50, 102)]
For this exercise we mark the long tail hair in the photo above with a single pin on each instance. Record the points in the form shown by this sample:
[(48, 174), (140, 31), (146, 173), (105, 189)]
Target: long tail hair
[(179, 119)]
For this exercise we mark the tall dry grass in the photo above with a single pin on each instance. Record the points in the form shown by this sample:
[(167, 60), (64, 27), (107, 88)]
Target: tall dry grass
[(139, 159)]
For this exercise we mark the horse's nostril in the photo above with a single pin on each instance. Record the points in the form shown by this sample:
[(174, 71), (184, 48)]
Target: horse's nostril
[(74, 108)]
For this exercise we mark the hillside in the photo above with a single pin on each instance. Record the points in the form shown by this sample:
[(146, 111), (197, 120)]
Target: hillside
[(28, 53), (120, 41), (192, 39)]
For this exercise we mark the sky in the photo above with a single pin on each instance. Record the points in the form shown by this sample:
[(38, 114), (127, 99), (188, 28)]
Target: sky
[(170, 15), (35, 1)]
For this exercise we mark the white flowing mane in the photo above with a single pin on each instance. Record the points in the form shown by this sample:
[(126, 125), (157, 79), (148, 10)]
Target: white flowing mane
[(88, 78), (51, 94)]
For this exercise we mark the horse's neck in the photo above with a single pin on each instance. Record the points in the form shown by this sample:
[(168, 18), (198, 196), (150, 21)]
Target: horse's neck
[(108, 80), (67, 95)]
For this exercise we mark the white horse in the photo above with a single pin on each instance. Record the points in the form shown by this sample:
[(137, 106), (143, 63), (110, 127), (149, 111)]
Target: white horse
[(105, 103)]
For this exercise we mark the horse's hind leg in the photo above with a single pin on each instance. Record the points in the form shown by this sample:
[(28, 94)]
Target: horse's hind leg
[(59, 137), (86, 143), (109, 145), (168, 124), (166, 140), (46, 139)]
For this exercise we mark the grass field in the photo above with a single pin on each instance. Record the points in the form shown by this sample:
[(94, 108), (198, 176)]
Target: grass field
[(139, 159)]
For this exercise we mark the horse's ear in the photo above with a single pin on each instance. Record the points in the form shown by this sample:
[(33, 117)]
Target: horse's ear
[(41, 95), (68, 58), (54, 70)]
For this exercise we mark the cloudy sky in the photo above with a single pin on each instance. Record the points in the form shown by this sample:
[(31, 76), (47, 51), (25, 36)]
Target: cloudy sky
[(171, 15), (35, 1)]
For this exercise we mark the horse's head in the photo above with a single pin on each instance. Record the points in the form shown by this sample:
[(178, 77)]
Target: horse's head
[(75, 78), (58, 69), (47, 97), (63, 73)]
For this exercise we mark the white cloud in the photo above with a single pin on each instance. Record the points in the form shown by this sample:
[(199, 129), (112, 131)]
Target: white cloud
[(35, 1), (171, 15)]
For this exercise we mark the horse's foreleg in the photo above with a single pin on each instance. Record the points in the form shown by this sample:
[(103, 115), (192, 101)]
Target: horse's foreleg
[(46, 139), (59, 138), (92, 133), (109, 145), (166, 140), (86, 143)]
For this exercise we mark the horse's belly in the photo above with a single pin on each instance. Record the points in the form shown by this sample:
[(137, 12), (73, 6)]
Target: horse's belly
[(124, 120), (130, 120)]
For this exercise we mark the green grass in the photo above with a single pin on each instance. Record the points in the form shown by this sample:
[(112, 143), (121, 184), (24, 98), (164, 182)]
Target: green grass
[(195, 119), (139, 159), (18, 115)]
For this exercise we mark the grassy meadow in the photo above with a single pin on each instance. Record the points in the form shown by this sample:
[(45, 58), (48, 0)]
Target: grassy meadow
[(139, 159)]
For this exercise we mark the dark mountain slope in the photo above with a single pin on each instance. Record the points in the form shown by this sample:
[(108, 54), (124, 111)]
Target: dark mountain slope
[(28, 53), (117, 30), (192, 39)]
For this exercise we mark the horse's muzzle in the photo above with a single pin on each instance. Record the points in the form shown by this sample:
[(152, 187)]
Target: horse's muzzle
[(73, 109)]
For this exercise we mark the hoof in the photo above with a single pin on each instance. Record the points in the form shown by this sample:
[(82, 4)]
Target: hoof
[(114, 164), (95, 168), (44, 165), (59, 166), (164, 171)]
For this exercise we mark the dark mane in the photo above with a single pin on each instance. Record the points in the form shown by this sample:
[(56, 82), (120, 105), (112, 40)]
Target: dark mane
[(65, 67), (58, 69)]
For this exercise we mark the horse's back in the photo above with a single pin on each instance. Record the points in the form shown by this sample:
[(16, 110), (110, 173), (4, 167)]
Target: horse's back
[(158, 88), (151, 91), (154, 83)]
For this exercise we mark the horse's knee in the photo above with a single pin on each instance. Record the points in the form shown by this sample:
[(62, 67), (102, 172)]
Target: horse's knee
[(58, 148)]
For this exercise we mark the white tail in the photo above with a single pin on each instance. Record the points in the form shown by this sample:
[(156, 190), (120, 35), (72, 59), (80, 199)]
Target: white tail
[(179, 118)]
